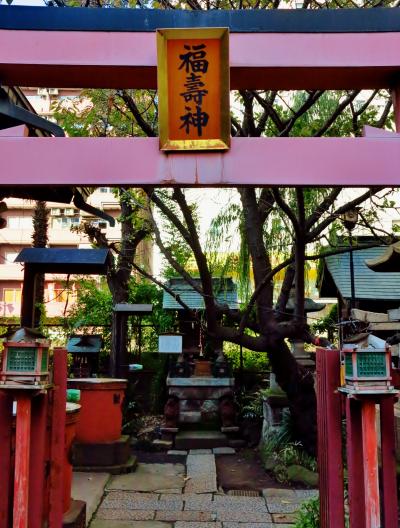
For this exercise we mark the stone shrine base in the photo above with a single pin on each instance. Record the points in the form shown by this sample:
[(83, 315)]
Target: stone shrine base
[(200, 412)]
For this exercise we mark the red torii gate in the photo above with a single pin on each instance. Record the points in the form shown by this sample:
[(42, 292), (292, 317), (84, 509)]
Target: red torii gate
[(327, 54), (278, 50)]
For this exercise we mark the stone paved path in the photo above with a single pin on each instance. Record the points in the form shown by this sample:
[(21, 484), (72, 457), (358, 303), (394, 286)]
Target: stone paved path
[(191, 501)]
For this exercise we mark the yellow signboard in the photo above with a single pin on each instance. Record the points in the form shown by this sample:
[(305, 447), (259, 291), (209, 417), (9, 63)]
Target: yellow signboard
[(193, 89)]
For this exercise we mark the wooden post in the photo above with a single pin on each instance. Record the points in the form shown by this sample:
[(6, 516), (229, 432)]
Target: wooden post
[(28, 297), (355, 463), (22, 451), (119, 347), (370, 463), (5, 457), (389, 484), (330, 464), (58, 409), (37, 468)]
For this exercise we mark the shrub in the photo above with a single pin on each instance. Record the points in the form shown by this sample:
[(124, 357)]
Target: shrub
[(308, 516)]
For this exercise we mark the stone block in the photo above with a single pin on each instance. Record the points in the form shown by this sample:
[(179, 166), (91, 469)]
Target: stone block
[(188, 524), (201, 473), (237, 443), (306, 494), (186, 405), (162, 445), (241, 504), (247, 525), (101, 523), (200, 452), (200, 440), (190, 417), (284, 518), (224, 451), (105, 454), (177, 452), (150, 477), (230, 429), (276, 493), (198, 516), (283, 505), (240, 516), (125, 515), (200, 393)]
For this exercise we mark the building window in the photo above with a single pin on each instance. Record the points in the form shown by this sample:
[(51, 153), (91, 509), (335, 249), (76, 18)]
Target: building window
[(65, 222), (105, 189), (19, 222), (10, 257), (58, 295), (12, 296)]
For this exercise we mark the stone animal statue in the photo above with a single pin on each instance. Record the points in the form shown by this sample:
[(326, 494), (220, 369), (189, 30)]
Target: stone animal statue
[(171, 412), (227, 411)]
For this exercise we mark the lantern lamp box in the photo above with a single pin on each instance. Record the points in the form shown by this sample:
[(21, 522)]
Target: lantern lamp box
[(25, 363), (367, 370), (170, 344), (193, 89)]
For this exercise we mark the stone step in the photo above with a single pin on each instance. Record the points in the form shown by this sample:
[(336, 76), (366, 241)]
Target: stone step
[(200, 440)]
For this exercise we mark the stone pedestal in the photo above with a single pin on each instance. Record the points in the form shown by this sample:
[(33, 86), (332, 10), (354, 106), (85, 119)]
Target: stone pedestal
[(200, 403), (199, 398)]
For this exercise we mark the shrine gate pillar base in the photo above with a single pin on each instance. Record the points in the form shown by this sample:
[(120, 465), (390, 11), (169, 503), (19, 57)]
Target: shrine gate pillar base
[(329, 417)]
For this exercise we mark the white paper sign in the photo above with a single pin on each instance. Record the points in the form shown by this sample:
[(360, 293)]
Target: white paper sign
[(170, 344)]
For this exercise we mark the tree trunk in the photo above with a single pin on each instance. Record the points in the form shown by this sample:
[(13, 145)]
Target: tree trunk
[(39, 240), (298, 383)]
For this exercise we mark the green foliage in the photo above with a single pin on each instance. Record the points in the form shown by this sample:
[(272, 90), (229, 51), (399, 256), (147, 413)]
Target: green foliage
[(326, 324), (279, 450), (104, 113), (252, 361), (94, 309), (251, 404), (308, 516)]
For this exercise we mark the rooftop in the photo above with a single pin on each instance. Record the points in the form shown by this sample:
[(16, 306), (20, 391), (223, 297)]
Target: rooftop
[(225, 292)]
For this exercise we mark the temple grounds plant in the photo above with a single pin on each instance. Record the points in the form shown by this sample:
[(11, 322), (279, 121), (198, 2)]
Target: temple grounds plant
[(308, 516)]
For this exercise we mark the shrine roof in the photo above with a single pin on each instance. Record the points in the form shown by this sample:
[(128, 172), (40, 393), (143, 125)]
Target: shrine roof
[(66, 261), (224, 289), (369, 284)]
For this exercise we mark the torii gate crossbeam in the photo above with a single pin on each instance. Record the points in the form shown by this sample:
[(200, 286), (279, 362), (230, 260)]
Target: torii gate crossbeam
[(269, 50)]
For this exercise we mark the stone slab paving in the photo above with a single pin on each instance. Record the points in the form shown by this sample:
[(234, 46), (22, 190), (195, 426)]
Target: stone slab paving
[(129, 524), (89, 487), (126, 503), (224, 451), (201, 474), (150, 477)]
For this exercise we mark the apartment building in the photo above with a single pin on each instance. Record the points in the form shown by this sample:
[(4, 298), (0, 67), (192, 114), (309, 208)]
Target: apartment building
[(18, 230)]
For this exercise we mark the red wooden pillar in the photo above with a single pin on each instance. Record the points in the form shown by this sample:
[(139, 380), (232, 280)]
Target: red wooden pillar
[(5, 457), (370, 459), (331, 488), (388, 456), (355, 463), (37, 466), (22, 450), (58, 407), (396, 106)]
